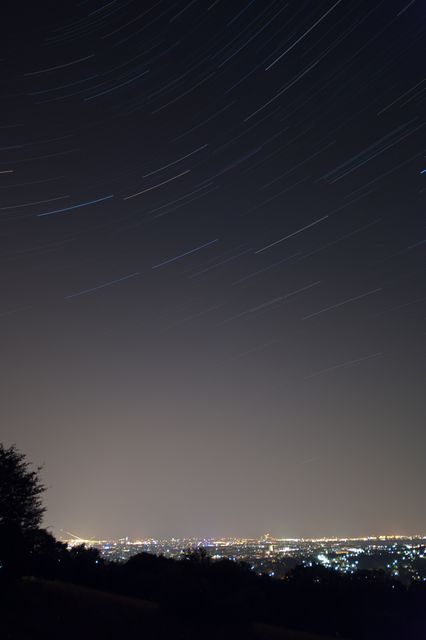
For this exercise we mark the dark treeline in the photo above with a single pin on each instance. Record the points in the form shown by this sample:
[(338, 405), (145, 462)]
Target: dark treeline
[(365, 604)]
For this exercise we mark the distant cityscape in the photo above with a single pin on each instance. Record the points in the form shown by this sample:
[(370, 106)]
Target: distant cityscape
[(401, 557)]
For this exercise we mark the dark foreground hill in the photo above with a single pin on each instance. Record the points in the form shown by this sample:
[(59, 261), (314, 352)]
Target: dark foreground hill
[(38, 609)]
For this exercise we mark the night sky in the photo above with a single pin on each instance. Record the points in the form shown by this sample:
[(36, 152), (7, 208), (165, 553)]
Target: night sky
[(213, 263)]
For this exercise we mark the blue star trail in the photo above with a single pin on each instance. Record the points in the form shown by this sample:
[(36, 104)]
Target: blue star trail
[(213, 252), (187, 253), (75, 206), (102, 286)]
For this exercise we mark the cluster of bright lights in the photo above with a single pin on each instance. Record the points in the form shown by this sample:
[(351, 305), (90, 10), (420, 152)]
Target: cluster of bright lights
[(274, 555)]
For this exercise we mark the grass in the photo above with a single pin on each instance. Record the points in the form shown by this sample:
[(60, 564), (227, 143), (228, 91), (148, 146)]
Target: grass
[(48, 610)]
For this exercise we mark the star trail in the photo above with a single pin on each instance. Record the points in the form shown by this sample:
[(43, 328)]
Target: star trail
[(213, 263)]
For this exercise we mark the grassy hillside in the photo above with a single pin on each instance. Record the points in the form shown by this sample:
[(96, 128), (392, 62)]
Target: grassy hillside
[(46, 610)]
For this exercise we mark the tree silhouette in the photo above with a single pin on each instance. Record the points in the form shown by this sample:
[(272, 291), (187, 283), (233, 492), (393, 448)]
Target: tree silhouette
[(21, 509), (198, 555)]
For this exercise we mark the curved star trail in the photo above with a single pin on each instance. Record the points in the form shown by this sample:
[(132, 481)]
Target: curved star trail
[(213, 259)]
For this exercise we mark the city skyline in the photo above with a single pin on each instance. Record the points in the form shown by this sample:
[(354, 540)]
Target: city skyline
[(400, 557), (63, 535)]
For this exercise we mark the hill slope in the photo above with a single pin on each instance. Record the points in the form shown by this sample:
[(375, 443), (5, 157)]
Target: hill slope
[(45, 610)]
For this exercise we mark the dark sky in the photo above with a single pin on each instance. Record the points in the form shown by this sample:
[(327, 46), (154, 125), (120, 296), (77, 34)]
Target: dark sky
[(213, 263)]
